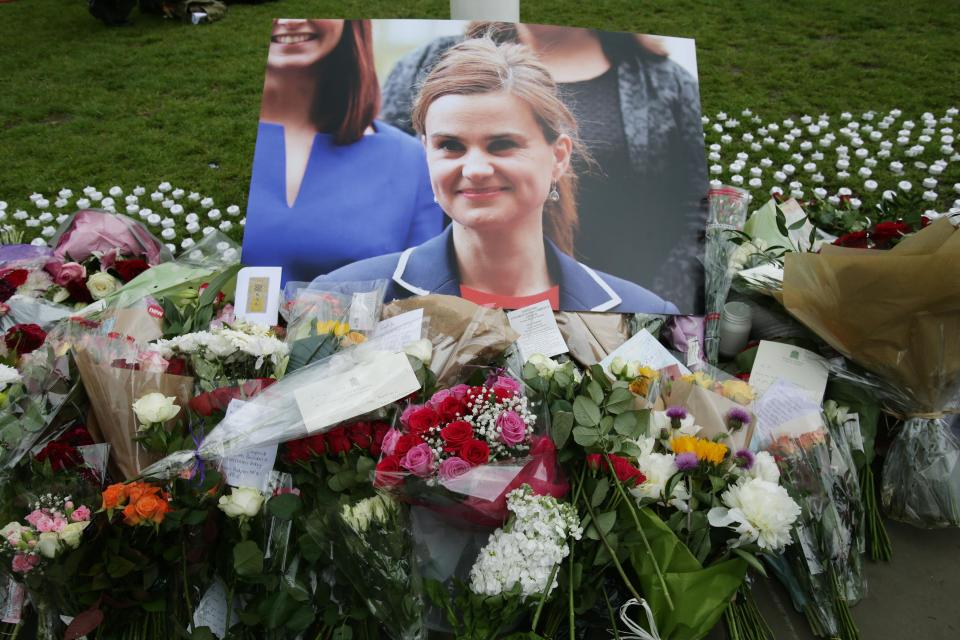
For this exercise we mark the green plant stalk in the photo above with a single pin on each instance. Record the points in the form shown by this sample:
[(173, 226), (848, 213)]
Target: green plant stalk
[(186, 583), (571, 618), (543, 597), (646, 543), (613, 554), (229, 609), (880, 548), (613, 618)]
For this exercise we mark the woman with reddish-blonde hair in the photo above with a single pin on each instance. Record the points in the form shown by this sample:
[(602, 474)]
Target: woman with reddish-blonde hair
[(499, 142), (325, 171)]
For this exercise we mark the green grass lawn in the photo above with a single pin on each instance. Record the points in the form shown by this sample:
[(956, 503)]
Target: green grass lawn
[(161, 100)]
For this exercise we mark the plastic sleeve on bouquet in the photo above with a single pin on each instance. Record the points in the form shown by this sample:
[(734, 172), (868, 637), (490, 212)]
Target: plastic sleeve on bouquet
[(310, 400)]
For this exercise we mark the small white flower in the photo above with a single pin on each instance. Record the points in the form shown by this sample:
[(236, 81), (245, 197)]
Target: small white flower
[(225, 226), (115, 191), (810, 167), (779, 176), (153, 219), (166, 204), (96, 196), (776, 191), (186, 243), (168, 234), (208, 230), (193, 227), (166, 223), (176, 209), (736, 180), (726, 138), (834, 200), (214, 214), (164, 187), (929, 196), (820, 192), (48, 232), (870, 185), (139, 191), (864, 172), (904, 185), (233, 210), (817, 177), (766, 163), (755, 183), (855, 203), (896, 167), (716, 169)]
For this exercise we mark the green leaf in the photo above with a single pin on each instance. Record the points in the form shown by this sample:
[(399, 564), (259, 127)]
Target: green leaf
[(202, 633), (626, 424), (118, 566), (284, 506), (195, 517), (560, 425), (600, 376), (595, 391), (605, 521), (586, 412), (585, 437), (600, 492), (752, 561), (343, 632), (620, 400), (154, 606), (311, 349), (296, 589), (247, 559), (300, 619)]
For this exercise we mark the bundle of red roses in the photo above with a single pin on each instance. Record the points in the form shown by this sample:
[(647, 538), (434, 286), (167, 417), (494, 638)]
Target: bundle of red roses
[(472, 443), (367, 437)]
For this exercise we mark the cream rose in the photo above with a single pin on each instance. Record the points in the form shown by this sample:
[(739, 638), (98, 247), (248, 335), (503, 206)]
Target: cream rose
[(422, 350), (243, 502), (545, 366), (71, 534), (102, 284), (49, 544), (155, 408)]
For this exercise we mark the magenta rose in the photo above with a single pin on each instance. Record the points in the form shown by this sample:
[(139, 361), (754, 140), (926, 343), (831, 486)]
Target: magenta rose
[(512, 428), (64, 274), (418, 460), (453, 467), (505, 387), (390, 442)]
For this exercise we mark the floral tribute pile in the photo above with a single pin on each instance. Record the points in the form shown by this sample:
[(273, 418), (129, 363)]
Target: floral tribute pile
[(169, 470)]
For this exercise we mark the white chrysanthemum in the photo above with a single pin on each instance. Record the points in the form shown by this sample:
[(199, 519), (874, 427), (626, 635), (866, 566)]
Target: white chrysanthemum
[(8, 376), (761, 512), (658, 468)]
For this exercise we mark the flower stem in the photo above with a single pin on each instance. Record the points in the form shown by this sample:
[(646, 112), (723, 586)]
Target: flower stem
[(613, 618), (612, 552), (186, 583), (546, 593), (643, 535), (229, 609), (571, 617)]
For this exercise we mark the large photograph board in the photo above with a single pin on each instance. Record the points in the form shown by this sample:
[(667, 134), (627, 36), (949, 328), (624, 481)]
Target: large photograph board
[(505, 163)]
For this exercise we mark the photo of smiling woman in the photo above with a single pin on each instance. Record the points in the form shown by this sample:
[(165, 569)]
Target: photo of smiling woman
[(325, 171), (499, 142)]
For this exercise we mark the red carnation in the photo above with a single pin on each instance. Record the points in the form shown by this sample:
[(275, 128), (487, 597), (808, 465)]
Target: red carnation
[(857, 240), (456, 434), (337, 441), (475, 452), (421, 419), (885, 232), (360, 434), (406, 442), (16, 277), (130, 269), (24, 338), (388, 473)]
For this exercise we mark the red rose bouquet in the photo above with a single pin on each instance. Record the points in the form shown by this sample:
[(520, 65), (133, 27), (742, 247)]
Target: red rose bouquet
[(466, 448)]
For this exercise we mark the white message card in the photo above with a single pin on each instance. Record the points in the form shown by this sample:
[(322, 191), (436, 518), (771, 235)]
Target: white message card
[(362, 389), (257, 298), (538, 331), (393, 334), (800, 367), (250, 468), (646, 350)]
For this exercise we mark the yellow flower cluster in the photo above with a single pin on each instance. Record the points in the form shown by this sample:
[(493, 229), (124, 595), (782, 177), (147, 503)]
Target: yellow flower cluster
[(737, 390), (338, 329), (641, 383), (705, 450)]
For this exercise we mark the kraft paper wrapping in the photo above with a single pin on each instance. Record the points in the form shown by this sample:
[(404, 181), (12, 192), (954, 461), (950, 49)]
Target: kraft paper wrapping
[(709, 409), (112, 392), (591, 337), (461, 332), (895, 313)]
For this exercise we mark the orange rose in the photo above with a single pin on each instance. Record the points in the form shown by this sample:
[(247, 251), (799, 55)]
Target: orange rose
[(130, 515), (114, 496), (152, 508)]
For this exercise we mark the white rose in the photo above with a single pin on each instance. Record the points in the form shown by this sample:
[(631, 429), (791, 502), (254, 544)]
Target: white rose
[(155, 408), (617, 366), (49, 544), (421, 350), (545, 366), (71, 534), (101, 285), (243, 502)]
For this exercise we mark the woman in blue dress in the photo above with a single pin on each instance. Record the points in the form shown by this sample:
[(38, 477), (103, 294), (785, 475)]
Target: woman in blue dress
[(499, 142), (325, 171)]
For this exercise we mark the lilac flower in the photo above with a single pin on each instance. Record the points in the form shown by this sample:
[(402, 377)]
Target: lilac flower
[(686, 461)]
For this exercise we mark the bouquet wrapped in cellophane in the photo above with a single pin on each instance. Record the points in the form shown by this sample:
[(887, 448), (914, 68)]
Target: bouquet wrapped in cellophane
[(728, 213), (884, 312)]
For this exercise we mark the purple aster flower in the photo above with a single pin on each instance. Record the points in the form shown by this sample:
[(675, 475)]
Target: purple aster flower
[(745, 458), (738, 418), (686, 461)]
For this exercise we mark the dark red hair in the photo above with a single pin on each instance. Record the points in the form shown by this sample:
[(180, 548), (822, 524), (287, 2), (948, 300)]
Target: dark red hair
[(349, 97)]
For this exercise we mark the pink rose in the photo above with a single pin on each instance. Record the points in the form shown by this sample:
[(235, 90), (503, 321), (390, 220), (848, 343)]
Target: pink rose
[(67, 272), (512, 428), (390, 442), (453, 467), (419, 460), (23, 563), (58, 524), (80, 514), (460, 391), (505, 387), (40, 520), (152, 361)]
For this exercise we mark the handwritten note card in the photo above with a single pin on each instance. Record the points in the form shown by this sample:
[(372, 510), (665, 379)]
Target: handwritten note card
[(644, 348), (538, 330)]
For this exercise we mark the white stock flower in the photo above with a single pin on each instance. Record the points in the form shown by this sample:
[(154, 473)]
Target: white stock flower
[(243, 502), (761, 512), (155, 408)]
